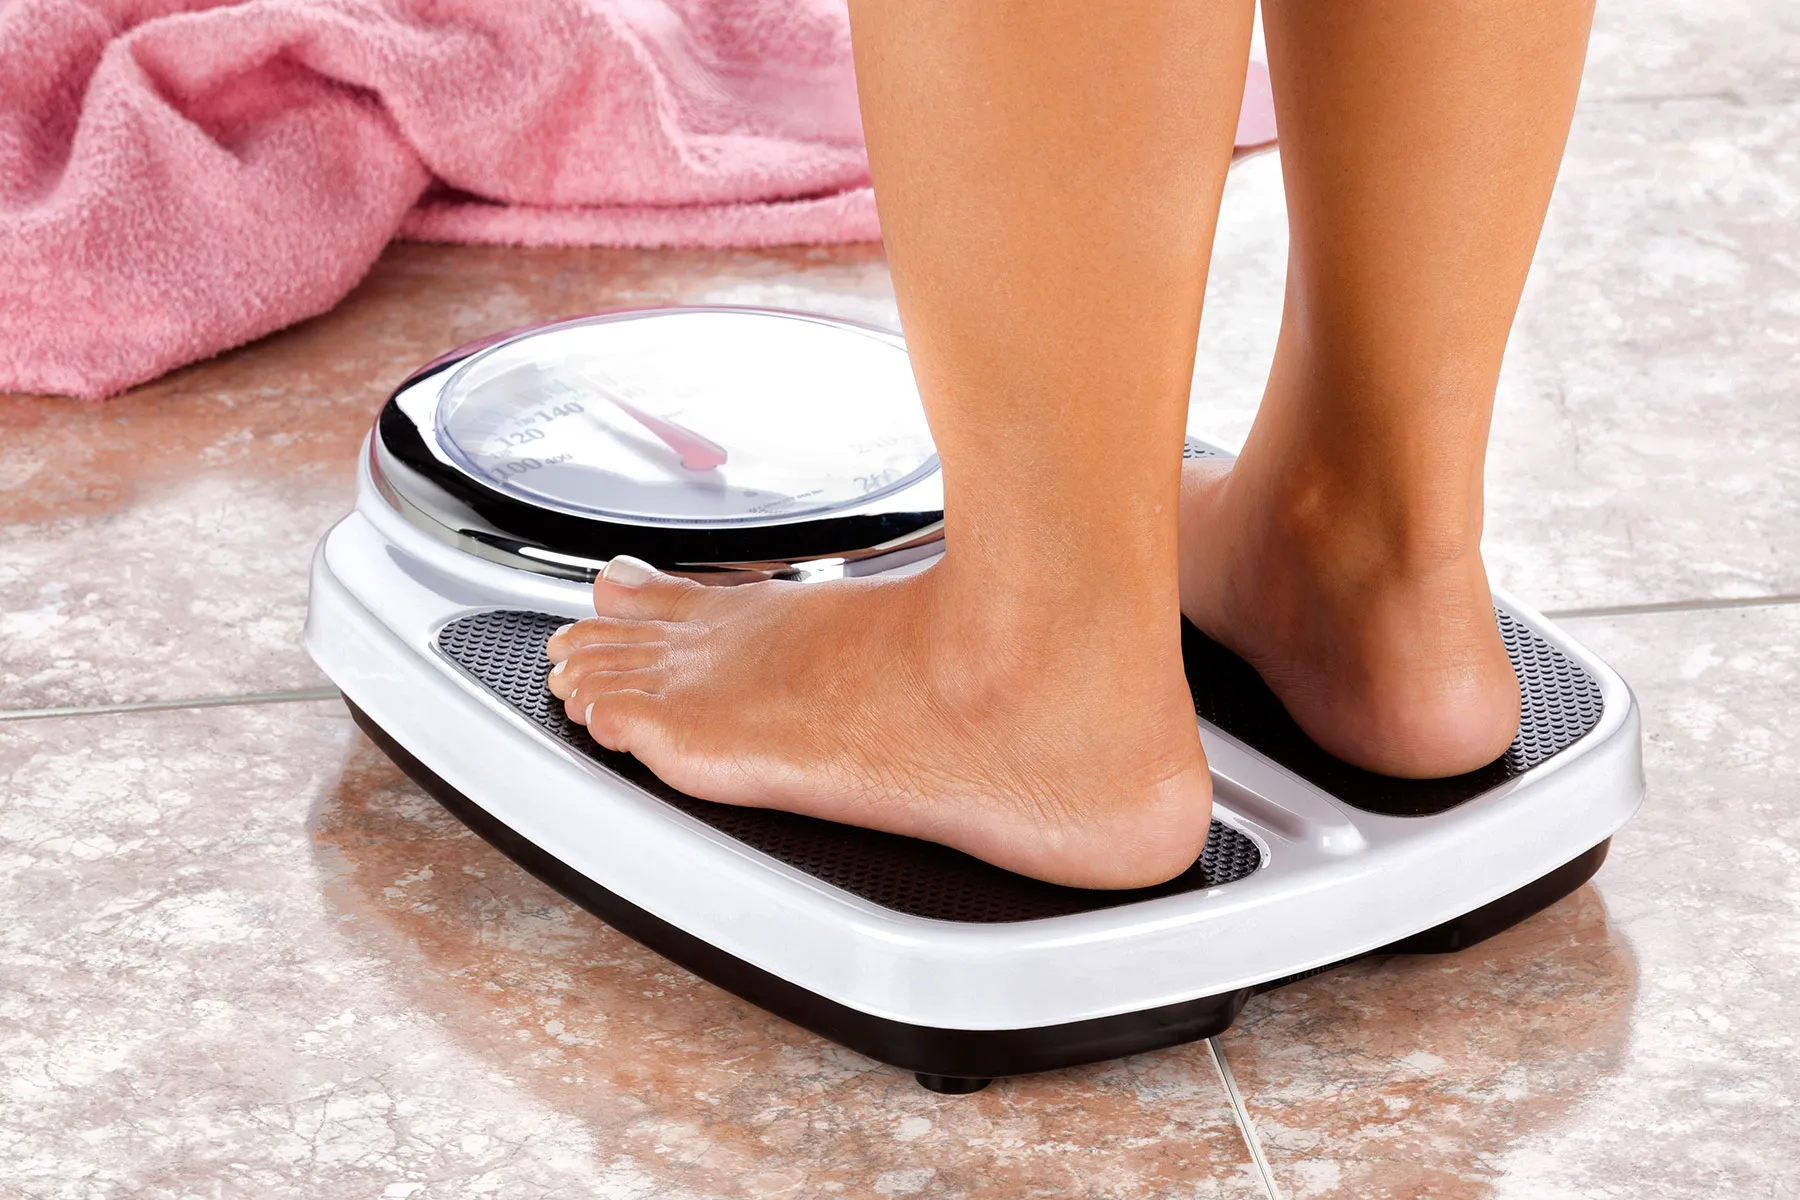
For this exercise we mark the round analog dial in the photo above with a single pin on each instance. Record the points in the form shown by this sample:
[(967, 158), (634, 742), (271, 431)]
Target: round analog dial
[(690, 418)]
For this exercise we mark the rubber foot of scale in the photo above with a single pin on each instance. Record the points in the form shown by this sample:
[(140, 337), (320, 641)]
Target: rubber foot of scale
[(950, 1085)]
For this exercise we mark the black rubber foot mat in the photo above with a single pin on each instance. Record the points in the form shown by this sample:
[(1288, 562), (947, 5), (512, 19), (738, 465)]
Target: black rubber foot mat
[(504, 652)]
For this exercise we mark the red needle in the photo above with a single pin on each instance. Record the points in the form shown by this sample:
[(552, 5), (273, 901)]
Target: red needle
[(697, 453)]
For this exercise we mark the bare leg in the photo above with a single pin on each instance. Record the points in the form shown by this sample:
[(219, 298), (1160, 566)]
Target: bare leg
[(1341, 556), (1049, 174)]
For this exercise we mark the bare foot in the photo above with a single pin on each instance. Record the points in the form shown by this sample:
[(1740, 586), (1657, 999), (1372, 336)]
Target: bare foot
[(1377, 634), (1044, 742)]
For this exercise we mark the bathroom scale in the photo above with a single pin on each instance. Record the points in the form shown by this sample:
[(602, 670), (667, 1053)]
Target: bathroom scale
[(731, 445)]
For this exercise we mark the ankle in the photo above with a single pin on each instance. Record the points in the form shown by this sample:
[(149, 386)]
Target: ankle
[(1060, 606), (1359, 532), (1347, 518), (1010, 657)]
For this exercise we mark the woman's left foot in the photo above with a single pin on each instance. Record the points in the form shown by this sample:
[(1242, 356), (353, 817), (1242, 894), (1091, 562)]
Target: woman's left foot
[(1376, 634)]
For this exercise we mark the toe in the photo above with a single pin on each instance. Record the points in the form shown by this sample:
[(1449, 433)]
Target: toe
[(597, 631), (598, 690), (632, 588), (566, 676), (616, 720), (614, 705)]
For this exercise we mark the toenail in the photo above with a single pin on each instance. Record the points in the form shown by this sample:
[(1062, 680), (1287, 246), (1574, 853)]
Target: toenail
[(587, 718), (627, 571), (562, 629), (558, 668)]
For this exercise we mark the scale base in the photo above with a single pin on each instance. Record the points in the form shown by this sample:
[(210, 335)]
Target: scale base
[(430, 607), (956, 1061)]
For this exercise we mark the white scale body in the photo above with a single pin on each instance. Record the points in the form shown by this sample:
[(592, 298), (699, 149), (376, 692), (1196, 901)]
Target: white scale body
[(962, 977)]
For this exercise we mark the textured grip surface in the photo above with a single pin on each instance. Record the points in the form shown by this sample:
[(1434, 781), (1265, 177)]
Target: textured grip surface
[(504, 652)]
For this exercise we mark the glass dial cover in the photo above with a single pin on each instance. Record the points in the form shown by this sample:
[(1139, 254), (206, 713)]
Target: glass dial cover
[(690, 418)]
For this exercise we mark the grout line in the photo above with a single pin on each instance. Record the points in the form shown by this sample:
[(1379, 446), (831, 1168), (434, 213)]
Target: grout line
[(1726, 95), (1251, 1141), (95, 710), (1673, 606), (331, 693)]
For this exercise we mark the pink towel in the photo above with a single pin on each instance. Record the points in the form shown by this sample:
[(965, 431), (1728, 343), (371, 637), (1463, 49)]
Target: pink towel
[(181, 176)]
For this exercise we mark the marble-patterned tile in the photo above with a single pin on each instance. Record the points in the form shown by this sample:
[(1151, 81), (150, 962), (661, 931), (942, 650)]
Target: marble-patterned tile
[(1741, 51), (1646, 445), (244, 956), (155, 546), (1639, 1039)]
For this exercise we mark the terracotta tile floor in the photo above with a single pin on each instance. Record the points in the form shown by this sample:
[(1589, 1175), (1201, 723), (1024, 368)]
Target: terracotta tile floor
[(243, 956)]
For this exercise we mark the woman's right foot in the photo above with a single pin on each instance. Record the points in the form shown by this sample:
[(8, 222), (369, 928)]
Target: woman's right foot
[(1377, 636), (1047, 732)]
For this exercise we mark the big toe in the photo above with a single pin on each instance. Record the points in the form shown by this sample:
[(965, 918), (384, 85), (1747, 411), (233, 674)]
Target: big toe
[(631, 588)]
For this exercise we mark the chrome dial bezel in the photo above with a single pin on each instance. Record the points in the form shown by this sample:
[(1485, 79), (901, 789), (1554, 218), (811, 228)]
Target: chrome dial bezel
[(413, 473)]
